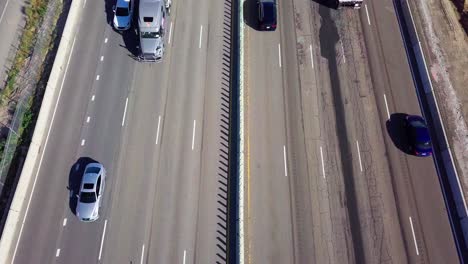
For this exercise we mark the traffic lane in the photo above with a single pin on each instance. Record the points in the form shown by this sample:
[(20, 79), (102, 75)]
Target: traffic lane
[(100, 140), (211, 240), (401, 97), (177, 192), (50, 191), (268, 196), (135, 174)]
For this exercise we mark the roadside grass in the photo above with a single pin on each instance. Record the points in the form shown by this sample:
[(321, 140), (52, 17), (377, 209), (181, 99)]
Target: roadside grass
[(34, 14)]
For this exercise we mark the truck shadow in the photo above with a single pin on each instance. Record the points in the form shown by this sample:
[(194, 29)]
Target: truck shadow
[(131, 41), (74, 180)]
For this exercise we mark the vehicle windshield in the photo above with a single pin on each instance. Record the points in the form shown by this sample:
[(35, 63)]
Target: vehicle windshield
[(87, 197), (93, 170), (269, 14), (121, 11), (418, 123), (150, 34)]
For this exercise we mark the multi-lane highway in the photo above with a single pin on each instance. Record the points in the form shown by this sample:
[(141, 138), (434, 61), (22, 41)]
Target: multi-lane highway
[(326, 180), (158, 130)]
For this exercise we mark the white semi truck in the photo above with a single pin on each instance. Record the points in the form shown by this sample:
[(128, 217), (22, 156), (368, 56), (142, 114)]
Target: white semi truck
[(151, 17)]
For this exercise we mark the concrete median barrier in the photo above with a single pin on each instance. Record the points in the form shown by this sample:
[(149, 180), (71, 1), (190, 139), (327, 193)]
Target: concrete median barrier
[(450, 183)]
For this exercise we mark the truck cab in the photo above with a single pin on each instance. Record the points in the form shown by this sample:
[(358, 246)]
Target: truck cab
[(152, 14)]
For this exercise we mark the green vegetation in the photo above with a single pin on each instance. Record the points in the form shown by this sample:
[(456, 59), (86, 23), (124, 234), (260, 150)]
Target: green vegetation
[(34, 14)]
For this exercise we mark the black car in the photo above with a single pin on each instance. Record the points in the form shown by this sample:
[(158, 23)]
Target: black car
[(267, 15)]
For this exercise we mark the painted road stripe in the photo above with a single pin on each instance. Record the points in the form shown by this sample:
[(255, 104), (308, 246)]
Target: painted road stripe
[(323, 164), (386, 106), (64, 222), (185, 255), (170, 33), (285, 164), (102, 239), (142, 254), (57, 253), (367, 12), (279, 54), (359, 154), (125, 112), (414, 236), (201, 34), (311, 56), (157, 132), (193, 134)]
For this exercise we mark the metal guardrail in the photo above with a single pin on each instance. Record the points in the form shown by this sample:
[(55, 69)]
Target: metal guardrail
[(450, 184)]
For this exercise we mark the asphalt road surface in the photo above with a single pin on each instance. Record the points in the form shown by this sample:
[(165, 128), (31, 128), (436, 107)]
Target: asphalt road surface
[(158, 130), (327, 178)]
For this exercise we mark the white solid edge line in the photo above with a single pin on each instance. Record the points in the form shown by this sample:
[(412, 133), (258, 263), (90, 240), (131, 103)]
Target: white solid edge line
[(157, 132), (359, 154), (102, 239), (170, 33), (57, 253), (241, 165), (386, 106), (367, 12), (185, 255), (285, 163), (414, 236), (311, 56), (323, 163), (125, 112), (193, 133), (201, 34), (3, 12), (279, 54), (64, 221), (142, 254), (42, 155)]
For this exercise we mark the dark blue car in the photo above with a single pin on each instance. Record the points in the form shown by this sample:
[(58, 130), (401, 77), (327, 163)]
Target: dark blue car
[(419, 140)]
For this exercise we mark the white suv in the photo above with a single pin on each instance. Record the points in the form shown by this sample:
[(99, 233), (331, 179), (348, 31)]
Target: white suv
[(123, 12)]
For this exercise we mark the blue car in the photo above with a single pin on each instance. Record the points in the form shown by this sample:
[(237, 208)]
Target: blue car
[(419, 140)]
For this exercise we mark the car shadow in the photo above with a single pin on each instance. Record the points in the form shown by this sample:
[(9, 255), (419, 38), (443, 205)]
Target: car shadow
[(74, 180), (250, 14), (397, 131), (333, 4), (108, 8)]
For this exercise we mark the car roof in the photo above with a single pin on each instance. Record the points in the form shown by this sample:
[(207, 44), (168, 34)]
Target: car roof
[(91, 177)]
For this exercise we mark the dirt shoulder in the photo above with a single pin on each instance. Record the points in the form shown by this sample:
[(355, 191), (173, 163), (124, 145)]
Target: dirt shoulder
[(445, 45)]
